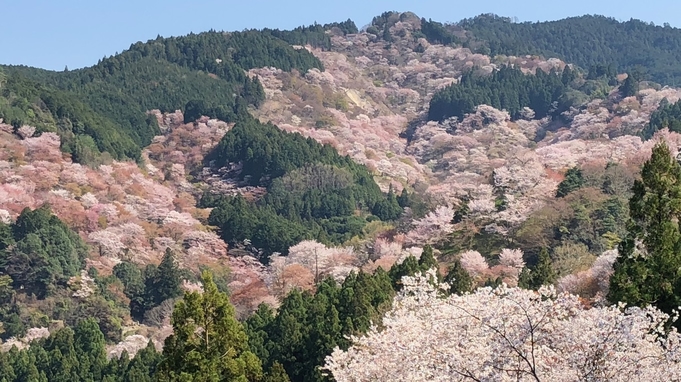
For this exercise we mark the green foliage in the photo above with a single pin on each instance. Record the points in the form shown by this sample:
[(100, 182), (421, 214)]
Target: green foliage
[(601, 71), (44, 254), (646, 271), (427, 260), (573, 181), (312, 191), (267, 151), (458, 279), (108, 101), (165, 282), (590, 216), (347, 27), (277, 373), (307, 327), (410, 266), (240, 220), (314, 34), (437, 33), (630, 86), (25, 102), (666, 116), (507, 88), (388, 208), (147, 290), (386, 19), (541, 274), (76, 355), (208, 343), (586, 41)]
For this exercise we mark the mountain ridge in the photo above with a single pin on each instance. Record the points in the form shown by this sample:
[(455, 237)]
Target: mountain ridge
[(322, 222)]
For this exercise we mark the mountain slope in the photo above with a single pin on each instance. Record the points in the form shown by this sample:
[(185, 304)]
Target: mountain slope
[(480, 188), (586, 41), (166, 74)]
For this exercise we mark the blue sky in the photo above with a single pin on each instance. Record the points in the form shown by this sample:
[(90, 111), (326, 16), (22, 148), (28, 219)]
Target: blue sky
[(53, 34)]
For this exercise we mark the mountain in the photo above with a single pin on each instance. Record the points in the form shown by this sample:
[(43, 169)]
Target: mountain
[(162, 74), (587, 41), (308, 180)]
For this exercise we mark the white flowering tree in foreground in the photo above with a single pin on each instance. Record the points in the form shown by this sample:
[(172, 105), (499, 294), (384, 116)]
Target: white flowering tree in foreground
[(509, 334)]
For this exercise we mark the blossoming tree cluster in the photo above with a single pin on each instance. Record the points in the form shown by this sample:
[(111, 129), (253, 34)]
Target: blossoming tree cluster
[(509, 334)]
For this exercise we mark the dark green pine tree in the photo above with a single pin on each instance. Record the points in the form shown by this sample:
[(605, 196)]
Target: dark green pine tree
[(630, 86), (6, 369), (388, 208), (427, 260), (276, 374), (541, 274), (647, 269), (168, 282), (291, 334), (62, 360), (408, 267), (387, 36), (403, 199), (256, 327), (525, 278), (573, 181), (568, 75), (324, 335), (6, 236), (90, 349), (208, 344), (458, 279), (143, 367), (544, 274), (24, 366)]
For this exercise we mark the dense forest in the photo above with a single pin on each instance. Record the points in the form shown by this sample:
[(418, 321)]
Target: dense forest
[(312, 191), (84, 132), (40, 260), (507, 88), (299, 189), (434, 32), (289, 345), (586, 41), (108, 101), (666, 116), (315, 34)]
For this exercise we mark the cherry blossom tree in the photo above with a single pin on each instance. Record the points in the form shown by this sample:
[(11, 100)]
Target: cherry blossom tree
[(474, 263), (512, 258), (509, 334), (433, 227)]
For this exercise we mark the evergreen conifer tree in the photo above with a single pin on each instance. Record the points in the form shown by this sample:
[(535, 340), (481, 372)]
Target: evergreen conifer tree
[(458, 279), (573, 181), (647, 269), (208, 343), (427, 260), (541, 274)]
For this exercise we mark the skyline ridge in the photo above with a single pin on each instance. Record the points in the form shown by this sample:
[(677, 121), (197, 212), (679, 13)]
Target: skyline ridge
[(75, 35)]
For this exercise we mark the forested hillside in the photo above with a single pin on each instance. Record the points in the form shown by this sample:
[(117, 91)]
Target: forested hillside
[(312, 191), (272, 206), (84, 132), (165, 74), (509, 89), (587, 41)]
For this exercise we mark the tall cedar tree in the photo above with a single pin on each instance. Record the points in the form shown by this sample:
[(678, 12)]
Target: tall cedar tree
[(458, 279), (647, 269), (542, 273), (208, 344), (573, 181)]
